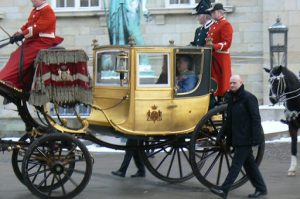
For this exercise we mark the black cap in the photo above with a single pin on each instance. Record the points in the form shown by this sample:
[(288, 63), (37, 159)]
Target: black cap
[(202, 7), (217, 6)]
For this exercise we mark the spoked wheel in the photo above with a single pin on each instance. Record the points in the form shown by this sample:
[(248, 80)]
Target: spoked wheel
[(56, 166), (17, 160), (18, 155), (168, 162), (210, 160)]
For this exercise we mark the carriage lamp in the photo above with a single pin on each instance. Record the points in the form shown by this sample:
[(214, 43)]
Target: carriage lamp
[(122, 66), (122, 60), (278, 44)]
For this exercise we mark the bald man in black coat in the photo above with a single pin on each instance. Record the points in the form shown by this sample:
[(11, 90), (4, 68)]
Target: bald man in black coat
[(243, 130)]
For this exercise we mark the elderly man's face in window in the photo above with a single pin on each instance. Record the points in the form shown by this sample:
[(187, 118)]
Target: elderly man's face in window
[(182, 65)]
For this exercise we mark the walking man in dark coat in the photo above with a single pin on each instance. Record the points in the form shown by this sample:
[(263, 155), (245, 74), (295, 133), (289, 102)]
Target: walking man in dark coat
[(243, 130)]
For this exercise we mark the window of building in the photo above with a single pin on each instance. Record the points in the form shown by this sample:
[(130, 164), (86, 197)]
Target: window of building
[(183, 3), (75, 5), (153, 70)]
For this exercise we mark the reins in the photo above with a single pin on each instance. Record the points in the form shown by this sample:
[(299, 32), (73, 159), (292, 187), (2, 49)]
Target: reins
[(4, 39), (21, 62), (5, 44), (21, 54)]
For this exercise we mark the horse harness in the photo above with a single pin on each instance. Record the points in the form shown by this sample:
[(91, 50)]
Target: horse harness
[(281, 96), (280, 93)]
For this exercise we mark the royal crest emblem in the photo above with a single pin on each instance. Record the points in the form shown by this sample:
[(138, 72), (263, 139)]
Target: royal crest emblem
[(64, 73), (154, 114)]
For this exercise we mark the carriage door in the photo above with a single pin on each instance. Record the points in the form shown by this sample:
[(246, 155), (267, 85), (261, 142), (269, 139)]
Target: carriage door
[(152, 90), (191, 86)]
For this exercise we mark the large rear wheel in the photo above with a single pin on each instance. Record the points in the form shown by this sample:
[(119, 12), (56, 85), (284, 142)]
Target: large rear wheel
[(211, 160), (169, 159)]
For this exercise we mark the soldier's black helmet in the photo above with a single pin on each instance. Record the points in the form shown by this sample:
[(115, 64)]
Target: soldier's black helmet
[(202, 7)]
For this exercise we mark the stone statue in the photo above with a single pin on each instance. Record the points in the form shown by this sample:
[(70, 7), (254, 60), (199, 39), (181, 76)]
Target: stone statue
[(124, 21)]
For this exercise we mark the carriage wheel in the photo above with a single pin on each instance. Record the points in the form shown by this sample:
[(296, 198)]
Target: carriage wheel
[(56, 166), (17, 157), (17, 160), (210, 160), (169, 162)]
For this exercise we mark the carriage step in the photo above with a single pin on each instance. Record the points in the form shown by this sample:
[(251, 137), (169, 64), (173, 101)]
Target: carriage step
[(8, 145)]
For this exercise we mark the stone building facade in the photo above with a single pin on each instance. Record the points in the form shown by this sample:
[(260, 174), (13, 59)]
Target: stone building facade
[(250, 20)]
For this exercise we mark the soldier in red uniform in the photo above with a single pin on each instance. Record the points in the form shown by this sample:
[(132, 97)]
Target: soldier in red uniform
[(39, 33), (219, 38)]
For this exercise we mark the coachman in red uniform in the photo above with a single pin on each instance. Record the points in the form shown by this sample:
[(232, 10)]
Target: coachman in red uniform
[(220, 34), (39, 33)]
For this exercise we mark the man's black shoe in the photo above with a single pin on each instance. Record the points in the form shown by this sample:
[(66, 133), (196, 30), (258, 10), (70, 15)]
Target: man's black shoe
[(118, 173), (257, 194), (281, 120), (219, 192), (138, 174)]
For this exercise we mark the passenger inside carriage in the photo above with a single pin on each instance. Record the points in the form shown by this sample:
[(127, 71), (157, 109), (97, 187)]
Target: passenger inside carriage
[(186, 79), (163, 77), (38, 33)]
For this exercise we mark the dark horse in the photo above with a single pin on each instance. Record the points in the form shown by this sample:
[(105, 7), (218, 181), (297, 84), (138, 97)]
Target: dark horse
[(285, 87)]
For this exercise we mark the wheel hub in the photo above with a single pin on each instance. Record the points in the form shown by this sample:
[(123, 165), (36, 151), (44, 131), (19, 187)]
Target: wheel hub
[(57, 168), (224, 148)]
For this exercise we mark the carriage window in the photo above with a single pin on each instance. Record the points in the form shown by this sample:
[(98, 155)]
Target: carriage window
[(153, 70), (187, 73), (112, 68)]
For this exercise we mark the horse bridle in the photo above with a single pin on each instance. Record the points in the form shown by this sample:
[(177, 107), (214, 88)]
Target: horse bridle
[(281, 95)]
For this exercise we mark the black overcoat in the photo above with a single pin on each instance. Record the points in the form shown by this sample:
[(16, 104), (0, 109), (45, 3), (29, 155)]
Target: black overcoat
[(200, 36), (243, 123)]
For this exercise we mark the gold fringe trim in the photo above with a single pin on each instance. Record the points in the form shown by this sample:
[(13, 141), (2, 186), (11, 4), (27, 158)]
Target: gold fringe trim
[(61, 95), (49, 56)]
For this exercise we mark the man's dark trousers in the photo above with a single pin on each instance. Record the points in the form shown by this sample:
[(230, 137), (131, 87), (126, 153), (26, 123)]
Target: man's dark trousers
[(243, 156), (129, 154)]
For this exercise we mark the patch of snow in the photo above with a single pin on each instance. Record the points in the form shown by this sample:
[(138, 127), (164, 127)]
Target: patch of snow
[(281, 140), (274, 127), (270, 106), (96, 148)]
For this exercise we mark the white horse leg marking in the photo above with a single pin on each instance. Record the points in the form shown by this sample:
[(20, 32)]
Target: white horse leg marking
[(293, 166)]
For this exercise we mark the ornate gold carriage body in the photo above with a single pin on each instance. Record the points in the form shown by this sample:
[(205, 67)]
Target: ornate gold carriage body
[(133, 99), (134, 93)]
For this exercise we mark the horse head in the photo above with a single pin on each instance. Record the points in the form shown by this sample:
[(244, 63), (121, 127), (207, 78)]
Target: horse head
[(283, 84), (276, 83)]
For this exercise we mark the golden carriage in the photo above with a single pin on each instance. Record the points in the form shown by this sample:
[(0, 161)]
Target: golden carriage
[(129, 100)]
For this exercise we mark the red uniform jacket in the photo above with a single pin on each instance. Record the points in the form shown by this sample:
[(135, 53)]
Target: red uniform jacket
[(39, 32), (41, 23), (221, 34)]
